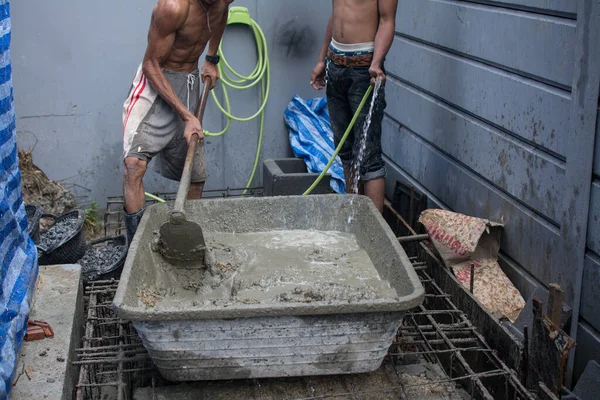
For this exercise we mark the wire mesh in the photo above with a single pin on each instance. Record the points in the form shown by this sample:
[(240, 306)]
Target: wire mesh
[(111, 358)]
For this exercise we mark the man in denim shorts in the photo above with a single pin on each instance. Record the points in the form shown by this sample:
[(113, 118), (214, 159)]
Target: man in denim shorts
[(358, 37)]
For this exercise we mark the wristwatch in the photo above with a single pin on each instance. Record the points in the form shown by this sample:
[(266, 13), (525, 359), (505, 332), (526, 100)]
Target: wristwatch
[(213, 59)]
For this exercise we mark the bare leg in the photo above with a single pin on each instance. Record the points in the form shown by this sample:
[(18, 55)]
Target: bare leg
[(375, 190), (195, 192), (349, 180), (133, 185), (349, 176), (133, 193)]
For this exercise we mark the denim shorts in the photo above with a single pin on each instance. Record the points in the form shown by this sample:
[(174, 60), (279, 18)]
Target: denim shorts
[(346, 86)]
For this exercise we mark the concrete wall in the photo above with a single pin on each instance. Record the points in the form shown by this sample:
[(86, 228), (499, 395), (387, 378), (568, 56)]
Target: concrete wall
[(492, 112), (73, 65)]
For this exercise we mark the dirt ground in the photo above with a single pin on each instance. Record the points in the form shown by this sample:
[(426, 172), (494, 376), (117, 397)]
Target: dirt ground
[(51, 196), (415, 381), (39, 190)]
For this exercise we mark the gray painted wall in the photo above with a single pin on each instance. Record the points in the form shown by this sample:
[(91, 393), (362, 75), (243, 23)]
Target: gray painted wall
[(480, 117), (73, 65)]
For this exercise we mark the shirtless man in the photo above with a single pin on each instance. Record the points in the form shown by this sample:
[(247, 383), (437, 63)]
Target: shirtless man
[(159, 113), (358, 37)]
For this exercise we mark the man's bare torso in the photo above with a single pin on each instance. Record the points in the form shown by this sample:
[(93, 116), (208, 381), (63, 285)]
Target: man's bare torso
[(355, 21), (193, 35)]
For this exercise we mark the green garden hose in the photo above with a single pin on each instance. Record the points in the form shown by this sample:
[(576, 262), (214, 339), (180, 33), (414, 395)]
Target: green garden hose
[(339, 147), (261, 73), (153, 197)]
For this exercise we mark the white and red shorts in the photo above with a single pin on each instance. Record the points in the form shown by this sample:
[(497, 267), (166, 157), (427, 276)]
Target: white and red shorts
[(152, 127)]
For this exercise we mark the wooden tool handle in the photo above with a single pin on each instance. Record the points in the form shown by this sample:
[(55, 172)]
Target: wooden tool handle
[(186, 176)]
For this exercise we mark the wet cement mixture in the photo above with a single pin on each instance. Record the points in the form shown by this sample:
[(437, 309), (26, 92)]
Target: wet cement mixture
[(57, 232), (101, 258), (269, 267)]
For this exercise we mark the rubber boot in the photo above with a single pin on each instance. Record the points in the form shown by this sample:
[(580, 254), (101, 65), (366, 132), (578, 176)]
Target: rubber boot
[(131, 224)]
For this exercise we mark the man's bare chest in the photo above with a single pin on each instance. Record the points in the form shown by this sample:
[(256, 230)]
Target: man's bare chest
[(198, 27)]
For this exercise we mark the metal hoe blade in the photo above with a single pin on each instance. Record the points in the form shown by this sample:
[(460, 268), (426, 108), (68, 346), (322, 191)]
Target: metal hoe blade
[(182, 242)]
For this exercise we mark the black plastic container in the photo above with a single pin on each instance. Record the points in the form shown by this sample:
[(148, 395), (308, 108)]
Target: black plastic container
[(71, 248), (112, 271)]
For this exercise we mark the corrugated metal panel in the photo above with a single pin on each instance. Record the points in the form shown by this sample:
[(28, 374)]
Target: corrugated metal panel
[(533, 111), (483, 31), (529, 238), (597, 152), (588, 339), (590, 295), (560, 6), (519, 169), (491, 131), (480, 114), (593, 240)]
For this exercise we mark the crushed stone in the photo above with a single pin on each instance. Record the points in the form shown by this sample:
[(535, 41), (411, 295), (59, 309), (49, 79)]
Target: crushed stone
[(101, 258), (57, 232)]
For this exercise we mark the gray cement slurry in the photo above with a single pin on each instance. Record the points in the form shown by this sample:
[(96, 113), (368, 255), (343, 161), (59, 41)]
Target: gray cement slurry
[(271, 267)]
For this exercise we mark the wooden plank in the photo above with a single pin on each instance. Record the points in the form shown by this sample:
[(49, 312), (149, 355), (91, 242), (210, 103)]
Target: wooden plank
[(548, 350), (590, 291), (533, 111), (541, 46), (519, 169), (556, 298), (527, 239), (557, 6), (593, 237)]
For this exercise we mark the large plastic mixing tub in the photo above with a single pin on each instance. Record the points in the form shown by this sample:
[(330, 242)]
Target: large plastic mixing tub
[(275, 339)]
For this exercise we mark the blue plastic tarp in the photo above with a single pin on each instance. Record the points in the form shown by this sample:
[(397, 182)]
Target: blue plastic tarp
[(311, 137), (19, 268)]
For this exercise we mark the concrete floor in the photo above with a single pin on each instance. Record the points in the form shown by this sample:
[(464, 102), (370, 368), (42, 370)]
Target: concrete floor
[(387, 383), (44, 369)]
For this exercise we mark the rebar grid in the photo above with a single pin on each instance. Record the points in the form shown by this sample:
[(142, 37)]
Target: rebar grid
[(114, 222), (111, 358), (442, 333), (114, 362)]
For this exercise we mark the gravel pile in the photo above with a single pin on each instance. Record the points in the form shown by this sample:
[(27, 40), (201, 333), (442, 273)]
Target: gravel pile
[(100, 258), (58, 232)]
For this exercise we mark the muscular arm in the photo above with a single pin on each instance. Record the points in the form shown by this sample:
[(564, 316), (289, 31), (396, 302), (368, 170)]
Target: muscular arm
[(218, 30), (327, 41), (167, 18), (385, 32), (317, 77)]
